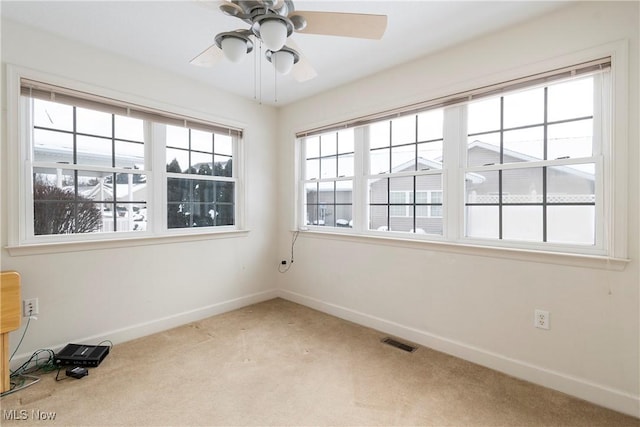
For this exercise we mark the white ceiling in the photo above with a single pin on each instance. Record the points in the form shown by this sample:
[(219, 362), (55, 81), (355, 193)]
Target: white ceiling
[(168, 34)]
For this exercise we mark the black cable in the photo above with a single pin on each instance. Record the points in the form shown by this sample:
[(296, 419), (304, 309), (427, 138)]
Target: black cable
[(106, 341), (21, 338), (293, 243)]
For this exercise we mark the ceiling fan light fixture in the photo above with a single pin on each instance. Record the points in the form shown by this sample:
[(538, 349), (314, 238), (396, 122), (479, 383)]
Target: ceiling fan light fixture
[(234, 45), (283, 59), (273, 30)]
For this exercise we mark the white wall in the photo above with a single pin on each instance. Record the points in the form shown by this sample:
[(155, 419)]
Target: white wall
[(478, 305), (124, 293)]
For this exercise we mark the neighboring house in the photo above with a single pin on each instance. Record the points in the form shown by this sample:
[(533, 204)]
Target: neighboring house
[(392, 208)]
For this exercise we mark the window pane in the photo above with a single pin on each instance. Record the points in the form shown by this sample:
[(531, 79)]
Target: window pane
[(430, 125), (483, 116), (344, 192), (224, 214), (222, 166), (312, 169), (93, 122), (572, 139), (223, 144), (94, 151), (378, 190), (131, 187), (403, 130), (97, 186), (483, 150), (379, 134), (401, 223), (524, 145), (524, 108), (430, 155), (129, 128), (344, 216), (379, 161), (127, 218), (378, 218), (311, 215), (328, 144), (201, 163), (51, 146), (326, 192), (225, 192), (482, 221), (570, 100), (522, 223), (201, 141), (571, 224), (52, 115), (312, 147), (311, 193), (345, 141), (571, 184), (177, 160), (431, 224), (403, 158), (522, 186), (429, 185), (177, 137), (129, 155), (482, 187), (345, 165), (329, 167)]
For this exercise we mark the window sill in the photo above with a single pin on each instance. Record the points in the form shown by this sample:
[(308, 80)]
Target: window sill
[(527, 255), (89, 245)]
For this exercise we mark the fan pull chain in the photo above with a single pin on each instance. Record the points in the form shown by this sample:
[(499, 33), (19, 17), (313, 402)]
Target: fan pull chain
[(255, 73), (275, 78), (260, 73)]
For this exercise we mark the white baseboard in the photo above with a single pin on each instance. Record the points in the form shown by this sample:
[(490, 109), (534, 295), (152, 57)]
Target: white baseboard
[(158, 325), (595, 393)]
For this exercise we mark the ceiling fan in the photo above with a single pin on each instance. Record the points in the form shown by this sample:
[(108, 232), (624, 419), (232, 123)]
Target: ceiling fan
[(271, 22)]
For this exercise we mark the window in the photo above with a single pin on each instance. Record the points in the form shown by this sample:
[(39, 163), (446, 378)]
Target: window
[(328, 183), (532, 157), (83, 170), (517, 165), (200, 185), (99, 168)]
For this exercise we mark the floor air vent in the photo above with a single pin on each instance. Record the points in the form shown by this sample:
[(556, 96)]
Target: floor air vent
[(397, 344)]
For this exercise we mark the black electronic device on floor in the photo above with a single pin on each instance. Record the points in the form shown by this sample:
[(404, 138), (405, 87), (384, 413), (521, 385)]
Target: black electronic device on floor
[(81, 355)]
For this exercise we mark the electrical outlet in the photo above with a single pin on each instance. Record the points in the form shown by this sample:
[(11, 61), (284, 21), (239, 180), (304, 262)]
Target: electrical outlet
[(541, 319), (30, 307)]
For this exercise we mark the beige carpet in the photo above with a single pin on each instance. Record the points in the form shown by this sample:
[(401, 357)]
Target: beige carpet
[(279, 363)]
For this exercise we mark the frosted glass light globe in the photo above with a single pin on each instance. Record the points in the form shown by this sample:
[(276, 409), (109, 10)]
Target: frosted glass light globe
[(282, 61), (273, 33), (234, 48)]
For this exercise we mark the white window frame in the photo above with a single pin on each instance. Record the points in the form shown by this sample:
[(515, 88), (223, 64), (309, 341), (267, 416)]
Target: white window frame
[(21, 240), (611, 251)]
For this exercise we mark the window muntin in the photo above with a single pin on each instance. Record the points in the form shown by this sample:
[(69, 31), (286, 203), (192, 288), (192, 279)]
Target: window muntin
[(503, 164), (91, 170)]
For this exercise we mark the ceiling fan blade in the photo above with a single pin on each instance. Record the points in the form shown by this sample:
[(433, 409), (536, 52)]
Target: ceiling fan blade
[(208, 58), (302, 70), (357, 25)]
